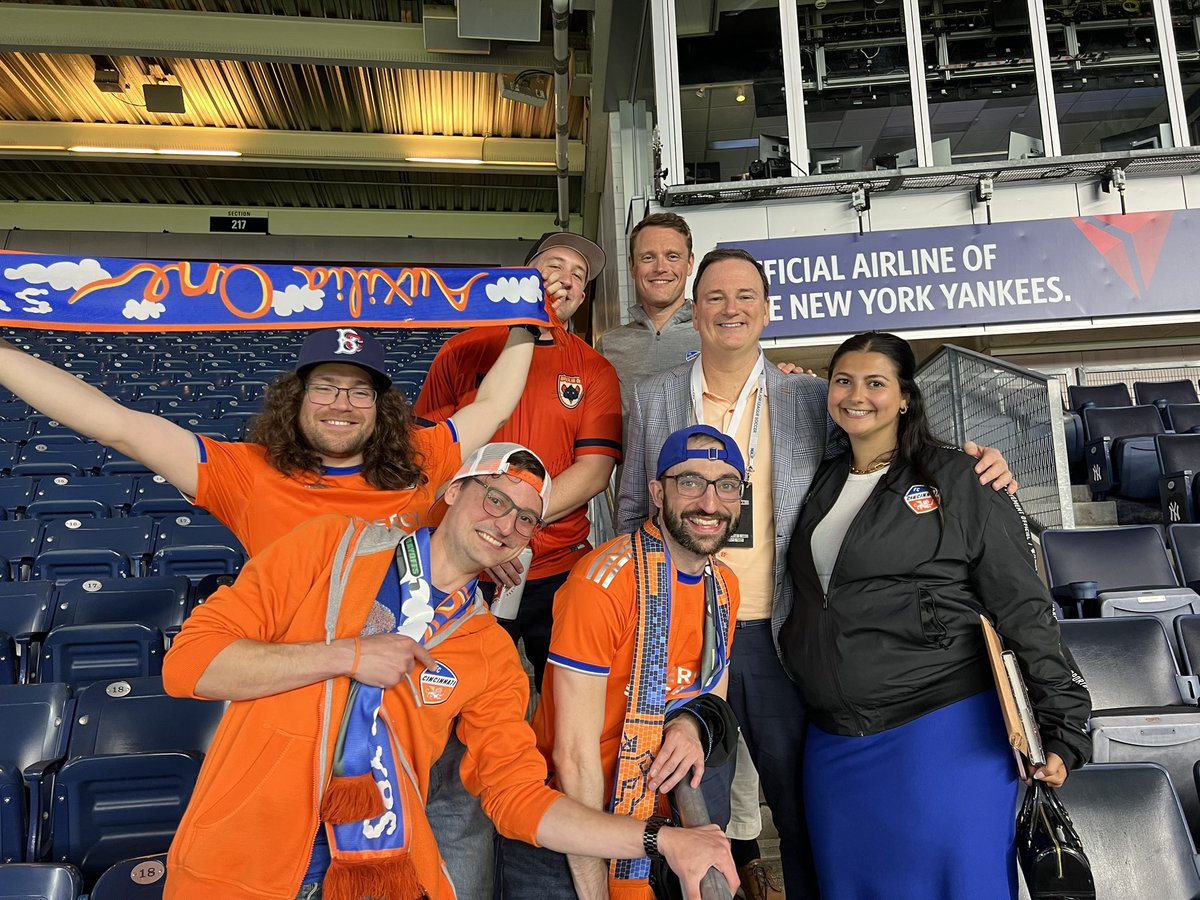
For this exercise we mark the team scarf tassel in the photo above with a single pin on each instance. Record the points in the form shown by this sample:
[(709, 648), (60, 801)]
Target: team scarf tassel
[(647, 707), (371, 795)]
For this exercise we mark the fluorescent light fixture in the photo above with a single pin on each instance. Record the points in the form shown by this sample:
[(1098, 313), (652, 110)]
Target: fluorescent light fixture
[(32, 147), (517, 162), (739, 144), (200, 152), (111, 150), (444, 159)]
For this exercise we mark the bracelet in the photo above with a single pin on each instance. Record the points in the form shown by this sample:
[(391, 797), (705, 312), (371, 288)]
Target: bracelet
[(357, 655), (525, 326), (650, 837)]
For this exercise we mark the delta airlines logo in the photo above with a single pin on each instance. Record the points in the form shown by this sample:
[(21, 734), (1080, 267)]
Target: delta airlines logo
[(437, 684), (921, 499), (349, 342), (1130, 244)]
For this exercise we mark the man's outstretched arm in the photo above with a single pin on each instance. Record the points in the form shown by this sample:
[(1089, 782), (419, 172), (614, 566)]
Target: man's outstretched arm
[(165, 447)]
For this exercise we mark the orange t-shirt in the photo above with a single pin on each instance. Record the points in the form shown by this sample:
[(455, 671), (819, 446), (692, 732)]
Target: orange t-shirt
[(595, 620), (259, 503), (571, 407)]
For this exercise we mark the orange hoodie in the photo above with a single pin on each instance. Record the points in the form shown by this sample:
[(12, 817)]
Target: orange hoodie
[(249, 828)]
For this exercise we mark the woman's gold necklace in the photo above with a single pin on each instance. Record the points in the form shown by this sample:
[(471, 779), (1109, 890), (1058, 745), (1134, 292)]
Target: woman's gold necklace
[(880, 462)]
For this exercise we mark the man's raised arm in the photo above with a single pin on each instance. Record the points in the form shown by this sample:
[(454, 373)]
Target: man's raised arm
[(165, 447), (498, 395)]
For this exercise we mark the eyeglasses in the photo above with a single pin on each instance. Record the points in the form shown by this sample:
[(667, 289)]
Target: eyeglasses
[(326, 395), (498, 504), (693, 487)]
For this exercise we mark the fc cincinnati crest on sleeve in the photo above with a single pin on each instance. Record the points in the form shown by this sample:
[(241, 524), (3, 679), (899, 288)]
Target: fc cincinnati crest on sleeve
[(921, 499), (437, 684), (570, 390)]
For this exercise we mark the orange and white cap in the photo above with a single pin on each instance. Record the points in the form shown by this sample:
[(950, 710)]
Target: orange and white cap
[(493, 459)]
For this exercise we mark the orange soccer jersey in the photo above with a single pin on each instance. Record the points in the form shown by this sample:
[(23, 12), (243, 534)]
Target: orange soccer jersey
[(259, 503), (571, 407), (595, 617)]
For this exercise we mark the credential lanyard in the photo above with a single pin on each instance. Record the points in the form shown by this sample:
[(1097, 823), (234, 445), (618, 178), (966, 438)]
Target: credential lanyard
[(758, 377)]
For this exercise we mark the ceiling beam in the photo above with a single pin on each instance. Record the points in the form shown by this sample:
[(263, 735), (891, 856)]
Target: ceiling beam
[(41, 28), (318, 149)]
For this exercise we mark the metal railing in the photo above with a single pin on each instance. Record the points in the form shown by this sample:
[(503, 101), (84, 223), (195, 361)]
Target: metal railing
[(969, 396), (1183, 370)]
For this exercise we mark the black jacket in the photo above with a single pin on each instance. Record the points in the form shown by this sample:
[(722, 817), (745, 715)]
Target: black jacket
[(898, 635)]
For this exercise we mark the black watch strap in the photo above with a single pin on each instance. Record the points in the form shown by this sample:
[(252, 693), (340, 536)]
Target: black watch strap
[(525, 326), (650, 837)]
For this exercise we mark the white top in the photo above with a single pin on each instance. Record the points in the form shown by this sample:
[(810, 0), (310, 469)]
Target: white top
[(831, 531)]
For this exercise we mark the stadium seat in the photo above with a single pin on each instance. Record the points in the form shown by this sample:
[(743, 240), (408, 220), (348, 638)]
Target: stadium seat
[(132, 537), (13, 432), (20, 541), (1133, 830), (33, 738), (194, 409), (25, 613), (16, 493), (1082, 395), (1119, 451), (9, 672), (160, 602), (39, 881), (39, 460), (119, 464), (76, 509), (196, 561), (14, 411), (142, 878), (1128, 664), (1183, 417), (1178, 462), (114, 491), (42, 427), (206, 586), (133, 759), (1160, 393), (61, 566), (164, 508), (1084, 567), (80, 654), (206, 530), (1171, 739), (1185, 546)]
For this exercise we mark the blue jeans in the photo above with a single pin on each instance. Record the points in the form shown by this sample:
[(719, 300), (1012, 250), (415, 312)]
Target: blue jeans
[(526, 872), (464, 834)]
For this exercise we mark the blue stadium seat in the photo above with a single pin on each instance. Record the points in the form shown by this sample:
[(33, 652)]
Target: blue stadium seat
[(1164, 392), (38, 459), (39, 881), (81, 654), (194, 532), (1084, 567), (213, 428), (1178, 490), (1128, 664), (119, 464), (20, 542), (15, 411), (16, 493), (1119, 452), (14, 432), (132, 763), (157, 601), (1183, 418), (141, 878), (9, 671), (1083, 395), (183, 409), (195, 562), (26, 608), (61, 510), (154, 487), (33, 738), (44, 426), (132, 537), (114, 491), (1133, 830), (1185, 546), (206, 586), (61, 566), (176, 508)]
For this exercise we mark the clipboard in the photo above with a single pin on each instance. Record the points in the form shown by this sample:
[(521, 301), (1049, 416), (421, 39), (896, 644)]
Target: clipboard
[(1019, 722)]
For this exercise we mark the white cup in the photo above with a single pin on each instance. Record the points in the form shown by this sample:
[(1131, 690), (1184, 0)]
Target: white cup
[(508, 599)]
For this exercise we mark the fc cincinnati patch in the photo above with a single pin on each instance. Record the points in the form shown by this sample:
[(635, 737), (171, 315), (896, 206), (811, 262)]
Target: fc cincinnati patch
[(921, 499), (437, 684), (570, 390)]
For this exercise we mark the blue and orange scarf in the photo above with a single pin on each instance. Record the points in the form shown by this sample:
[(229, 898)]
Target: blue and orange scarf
[(372, 796)]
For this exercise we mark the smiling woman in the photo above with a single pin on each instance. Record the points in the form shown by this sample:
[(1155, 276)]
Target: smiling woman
[(898, 551)]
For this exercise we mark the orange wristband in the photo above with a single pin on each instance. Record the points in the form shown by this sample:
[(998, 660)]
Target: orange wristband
[(357, 654)]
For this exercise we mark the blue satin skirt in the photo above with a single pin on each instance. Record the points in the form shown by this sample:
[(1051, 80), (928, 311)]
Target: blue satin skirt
[(923, 811)]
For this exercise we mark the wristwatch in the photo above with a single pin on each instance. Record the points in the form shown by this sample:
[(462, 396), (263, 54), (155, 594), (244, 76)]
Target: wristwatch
[(650, 837), (525, 326)]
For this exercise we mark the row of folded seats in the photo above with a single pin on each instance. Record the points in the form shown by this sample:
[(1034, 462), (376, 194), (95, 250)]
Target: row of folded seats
[(1131, 618), (1140, 452)]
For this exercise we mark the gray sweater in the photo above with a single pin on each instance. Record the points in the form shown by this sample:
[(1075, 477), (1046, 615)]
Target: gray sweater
[(637, 351)]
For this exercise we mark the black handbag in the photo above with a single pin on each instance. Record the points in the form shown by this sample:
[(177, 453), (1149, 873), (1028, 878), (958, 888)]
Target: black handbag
[(1049, 850)]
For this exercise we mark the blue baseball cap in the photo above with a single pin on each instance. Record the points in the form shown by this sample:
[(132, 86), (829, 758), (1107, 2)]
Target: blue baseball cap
[(344, 345), (675, 449)]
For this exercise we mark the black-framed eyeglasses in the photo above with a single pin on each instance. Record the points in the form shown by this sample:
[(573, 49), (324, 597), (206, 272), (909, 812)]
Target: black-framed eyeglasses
[(326, 395), (498, 504), (693, 487)]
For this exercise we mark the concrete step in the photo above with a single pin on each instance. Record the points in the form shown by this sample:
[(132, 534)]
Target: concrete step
[(1081, 493), (1095, 515)]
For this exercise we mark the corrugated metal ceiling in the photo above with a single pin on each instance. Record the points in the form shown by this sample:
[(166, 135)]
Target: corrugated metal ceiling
[(275, 97)]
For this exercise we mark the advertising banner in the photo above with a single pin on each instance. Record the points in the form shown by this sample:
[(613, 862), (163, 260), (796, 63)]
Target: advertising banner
[(968, 275)]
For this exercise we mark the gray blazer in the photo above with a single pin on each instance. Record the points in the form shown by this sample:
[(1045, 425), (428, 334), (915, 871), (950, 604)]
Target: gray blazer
[(802, 435)]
